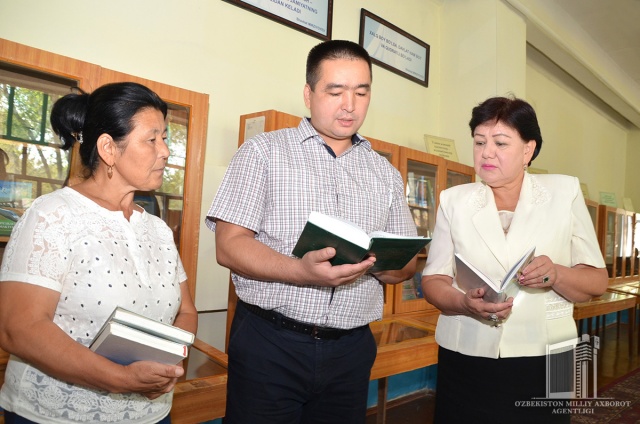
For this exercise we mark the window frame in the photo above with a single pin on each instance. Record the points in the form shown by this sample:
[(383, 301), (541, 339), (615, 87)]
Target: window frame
[(90, 76)]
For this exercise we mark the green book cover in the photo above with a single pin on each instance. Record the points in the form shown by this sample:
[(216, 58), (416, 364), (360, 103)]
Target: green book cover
[(394, 253), (353, 245)]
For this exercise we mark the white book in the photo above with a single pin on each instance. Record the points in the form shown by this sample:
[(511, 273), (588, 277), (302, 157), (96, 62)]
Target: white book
[(468, 277), (148, 325), (125, 345)]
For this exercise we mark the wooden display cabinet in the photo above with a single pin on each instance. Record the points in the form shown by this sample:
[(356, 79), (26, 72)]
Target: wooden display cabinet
[(425, 177), (594, 212), (269, 120), (201, 393), (616, 236), (636, 251), (629, 251)]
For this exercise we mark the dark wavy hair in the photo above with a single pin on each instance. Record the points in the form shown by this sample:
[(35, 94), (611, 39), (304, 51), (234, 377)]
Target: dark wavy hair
[(331, 50), (514, 112), (109, 109)]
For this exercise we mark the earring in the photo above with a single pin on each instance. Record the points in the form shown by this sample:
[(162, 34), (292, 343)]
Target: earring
[(525, 167), (110, 171)]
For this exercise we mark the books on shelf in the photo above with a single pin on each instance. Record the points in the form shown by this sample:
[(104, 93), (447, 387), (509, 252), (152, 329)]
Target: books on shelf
[(468, 277), (419, 191), (127, 337), (353, 244)]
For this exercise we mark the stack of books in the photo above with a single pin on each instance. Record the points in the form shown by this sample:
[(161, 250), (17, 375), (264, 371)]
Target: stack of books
[(128, 337)]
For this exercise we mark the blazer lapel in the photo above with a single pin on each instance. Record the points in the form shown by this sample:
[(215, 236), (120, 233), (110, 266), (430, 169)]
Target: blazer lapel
[(526, 223), (487, 223), (524, 228)]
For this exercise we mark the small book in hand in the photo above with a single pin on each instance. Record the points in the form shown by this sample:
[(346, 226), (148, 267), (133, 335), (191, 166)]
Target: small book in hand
[(353, 244), (128, 337), (468, 277)]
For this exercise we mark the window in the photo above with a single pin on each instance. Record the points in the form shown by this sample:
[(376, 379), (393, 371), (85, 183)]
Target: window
[(31, 160), (35, 159)]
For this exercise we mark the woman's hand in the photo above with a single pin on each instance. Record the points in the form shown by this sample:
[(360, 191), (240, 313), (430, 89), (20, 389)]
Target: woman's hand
[(540, 273), (576, 284), (476, 306), (152, 379), (438, 291)]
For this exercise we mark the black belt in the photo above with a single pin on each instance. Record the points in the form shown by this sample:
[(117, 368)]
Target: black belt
[(299, 327)]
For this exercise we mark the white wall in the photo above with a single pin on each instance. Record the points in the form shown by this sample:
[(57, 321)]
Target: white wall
[(483, 55), (582, 135), (247, 63)]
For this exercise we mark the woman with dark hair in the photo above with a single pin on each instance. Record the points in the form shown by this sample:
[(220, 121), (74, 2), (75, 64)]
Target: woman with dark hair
[(492, 356), (79, 252)]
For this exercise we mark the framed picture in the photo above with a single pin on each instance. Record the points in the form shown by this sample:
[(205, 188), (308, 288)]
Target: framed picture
[(312, 17), (394, 49)]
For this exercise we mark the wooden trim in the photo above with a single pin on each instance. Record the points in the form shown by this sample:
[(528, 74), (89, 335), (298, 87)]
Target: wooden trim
[(204, 398), (89, 77), (87, 74), (273, 120)]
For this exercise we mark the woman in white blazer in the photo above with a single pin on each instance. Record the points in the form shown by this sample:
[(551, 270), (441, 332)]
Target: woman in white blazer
[(492, 356)]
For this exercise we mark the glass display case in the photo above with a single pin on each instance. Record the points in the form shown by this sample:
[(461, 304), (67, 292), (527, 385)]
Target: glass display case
[(425, 176), (617, 241), (592, 207), (636, 252), (628, 246)]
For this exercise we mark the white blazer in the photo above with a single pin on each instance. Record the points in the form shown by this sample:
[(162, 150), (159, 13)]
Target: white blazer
[(552, 216)]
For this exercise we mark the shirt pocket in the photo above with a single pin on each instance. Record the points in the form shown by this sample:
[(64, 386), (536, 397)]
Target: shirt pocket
[(366, 203)]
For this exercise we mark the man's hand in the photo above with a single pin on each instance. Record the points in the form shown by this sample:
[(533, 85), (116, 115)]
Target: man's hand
[(318, 271)]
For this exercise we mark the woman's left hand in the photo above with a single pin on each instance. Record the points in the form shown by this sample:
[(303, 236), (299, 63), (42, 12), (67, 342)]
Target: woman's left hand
[(540, 273)]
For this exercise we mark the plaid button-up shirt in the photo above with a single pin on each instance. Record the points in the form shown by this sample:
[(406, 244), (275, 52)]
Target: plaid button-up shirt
[(276, 180)]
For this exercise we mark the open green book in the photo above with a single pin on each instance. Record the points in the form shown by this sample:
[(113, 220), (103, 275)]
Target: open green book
[(468, 277), (353, 244)]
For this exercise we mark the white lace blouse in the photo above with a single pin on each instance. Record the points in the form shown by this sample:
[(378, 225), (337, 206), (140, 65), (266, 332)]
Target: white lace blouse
[(97, 260)]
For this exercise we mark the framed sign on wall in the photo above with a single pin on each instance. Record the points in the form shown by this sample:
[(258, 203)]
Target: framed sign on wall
[(312, 17), (394, 49)]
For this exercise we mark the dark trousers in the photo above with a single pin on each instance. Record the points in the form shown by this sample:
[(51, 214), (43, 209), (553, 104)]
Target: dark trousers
[(281, 376), (471, 389), (11, 418)]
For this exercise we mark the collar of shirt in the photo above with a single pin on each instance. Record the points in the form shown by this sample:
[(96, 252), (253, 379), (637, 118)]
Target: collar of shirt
[(309, 133)]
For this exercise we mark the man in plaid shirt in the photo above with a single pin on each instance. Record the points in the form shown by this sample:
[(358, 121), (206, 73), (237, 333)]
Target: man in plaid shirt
[(300, 348)]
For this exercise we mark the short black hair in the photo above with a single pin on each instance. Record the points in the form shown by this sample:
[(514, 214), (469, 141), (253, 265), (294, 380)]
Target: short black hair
[(331, 50), (514, 112), (108, 110)]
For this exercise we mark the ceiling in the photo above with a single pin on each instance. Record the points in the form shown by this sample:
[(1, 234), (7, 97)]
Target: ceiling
[(614, 25)]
